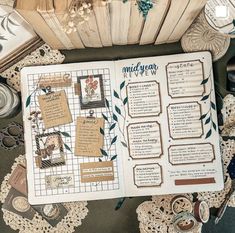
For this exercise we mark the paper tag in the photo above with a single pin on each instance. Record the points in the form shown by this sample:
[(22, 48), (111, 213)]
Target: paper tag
[(97, 171), (18, 179), (55, 81), (89, 140), (55, 109), (56, 181)]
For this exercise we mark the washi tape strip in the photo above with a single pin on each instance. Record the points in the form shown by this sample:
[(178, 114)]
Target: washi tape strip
[(184, 222), (201, 211), (181, 203)]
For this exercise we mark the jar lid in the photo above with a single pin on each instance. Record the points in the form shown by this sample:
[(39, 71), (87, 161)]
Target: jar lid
[(220, 14), (6, 99)]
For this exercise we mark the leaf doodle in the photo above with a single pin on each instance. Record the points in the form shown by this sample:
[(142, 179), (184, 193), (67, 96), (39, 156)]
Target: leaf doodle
[(65, 134), (214, 125), (202, 116), (101, 131), (122, 85), (67, 147), (204, 81), (115, 117), (117, 109), (114, 157), (213, 105), (124, 144), (28, 101), (103, 152), (125, 100), (107, 103), (208, 134), (105, 117), (205, 97), (114, 140), (112, 126), (207, 120), (115, 94)]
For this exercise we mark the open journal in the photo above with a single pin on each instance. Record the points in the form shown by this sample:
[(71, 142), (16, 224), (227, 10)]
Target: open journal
[(134, 127)]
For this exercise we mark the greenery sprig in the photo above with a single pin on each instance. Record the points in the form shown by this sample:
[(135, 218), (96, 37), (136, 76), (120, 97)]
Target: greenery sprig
[(144, 6)]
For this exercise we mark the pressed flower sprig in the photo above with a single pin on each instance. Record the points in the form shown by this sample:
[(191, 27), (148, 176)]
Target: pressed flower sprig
[(79, 13)]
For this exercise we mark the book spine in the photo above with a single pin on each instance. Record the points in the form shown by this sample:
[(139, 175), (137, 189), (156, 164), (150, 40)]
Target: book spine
[(136, 24), (120, 19), (49, 18), (154, 21), (103, 22), (175, 12), (89, 32), (59, 31), (41, 28), (192, 11)]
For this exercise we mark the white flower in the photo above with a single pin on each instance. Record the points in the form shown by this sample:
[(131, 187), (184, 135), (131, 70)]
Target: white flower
[(69, 30), (71, 24)]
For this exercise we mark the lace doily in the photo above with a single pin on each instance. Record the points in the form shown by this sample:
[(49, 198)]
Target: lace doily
[(202, 37), (76, 212), (228, 112), (44, 55), (156, 216)]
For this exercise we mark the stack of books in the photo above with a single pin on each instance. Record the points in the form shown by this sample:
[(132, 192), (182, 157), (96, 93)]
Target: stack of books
[(114, 23)]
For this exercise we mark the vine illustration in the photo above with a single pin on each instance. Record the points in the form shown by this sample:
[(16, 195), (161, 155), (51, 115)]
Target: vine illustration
[(112, 141), (6, 24), (36, 117), (113, 120), (207, 117)]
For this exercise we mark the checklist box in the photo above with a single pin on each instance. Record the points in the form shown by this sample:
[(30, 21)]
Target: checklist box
[(221, 11)]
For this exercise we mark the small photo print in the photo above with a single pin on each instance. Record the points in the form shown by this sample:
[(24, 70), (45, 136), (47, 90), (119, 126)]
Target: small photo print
[(92, 91), (50, 151)]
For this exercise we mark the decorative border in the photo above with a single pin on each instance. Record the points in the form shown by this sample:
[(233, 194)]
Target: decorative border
[(37, 137), (193, 162), (92, 104), (159, 93), (159, 185), (129, 148), (200, 107), (203, 73)]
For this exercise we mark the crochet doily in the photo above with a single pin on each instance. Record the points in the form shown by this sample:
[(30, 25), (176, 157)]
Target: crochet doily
[(156, 216), (76, 212), (202, 37), (44, 55), (228, 112)]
